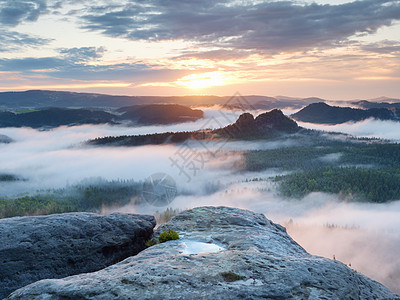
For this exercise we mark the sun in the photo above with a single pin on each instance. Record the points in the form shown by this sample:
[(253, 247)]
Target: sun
[(204, 80)]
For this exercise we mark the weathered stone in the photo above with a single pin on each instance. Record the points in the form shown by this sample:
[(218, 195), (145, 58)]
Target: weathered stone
[(256, 260), (56, 246), (265, 125)]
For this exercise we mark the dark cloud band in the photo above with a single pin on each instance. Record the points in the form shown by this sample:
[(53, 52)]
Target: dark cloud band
[(11, 40), (265, 26), (13, 12)]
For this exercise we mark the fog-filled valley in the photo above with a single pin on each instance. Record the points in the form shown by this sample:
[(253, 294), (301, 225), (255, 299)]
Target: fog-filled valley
[(55, 171), (199, 149)]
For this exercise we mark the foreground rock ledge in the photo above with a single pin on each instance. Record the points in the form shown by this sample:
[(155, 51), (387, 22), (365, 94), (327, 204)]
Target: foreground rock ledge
[(56, 246), (258, 261)]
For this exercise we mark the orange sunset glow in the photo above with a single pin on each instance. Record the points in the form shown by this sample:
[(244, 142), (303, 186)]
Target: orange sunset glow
[(332, 49)]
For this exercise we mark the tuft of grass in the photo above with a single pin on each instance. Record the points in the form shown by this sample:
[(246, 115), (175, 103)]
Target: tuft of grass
[(230, 276), (150, 243), (168, 235)]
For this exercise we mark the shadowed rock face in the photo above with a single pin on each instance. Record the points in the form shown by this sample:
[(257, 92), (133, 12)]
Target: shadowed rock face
[(256, 259), (264, 125), (275, 119), (56, 246)]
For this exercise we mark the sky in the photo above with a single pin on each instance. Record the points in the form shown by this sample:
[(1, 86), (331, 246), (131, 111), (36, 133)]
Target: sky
[(336, 50)]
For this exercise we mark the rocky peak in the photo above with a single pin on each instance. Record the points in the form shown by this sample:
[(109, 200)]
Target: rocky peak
[(265, 124), (245, 120), (275, 119), (222, 253)]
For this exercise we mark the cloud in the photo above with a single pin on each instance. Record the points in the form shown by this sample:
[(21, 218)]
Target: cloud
[(265, 26), (218, 55), (30, 64), (75, 64), (14, 12), (82, 54), (370, 128), (68, 59), (11, 40), (134, 73), (383, 47)]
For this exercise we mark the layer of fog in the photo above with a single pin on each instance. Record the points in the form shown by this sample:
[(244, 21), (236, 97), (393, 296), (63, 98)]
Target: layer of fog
[(55, 163), (56, 158), (366, 234), (370, 128), (363, 236)]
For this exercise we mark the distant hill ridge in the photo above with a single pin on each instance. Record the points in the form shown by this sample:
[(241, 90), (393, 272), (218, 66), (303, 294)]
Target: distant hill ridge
[(38, 99), (139, 115), (160, 113), (54, 117), (325, 114), (368, 104), (44, 99)]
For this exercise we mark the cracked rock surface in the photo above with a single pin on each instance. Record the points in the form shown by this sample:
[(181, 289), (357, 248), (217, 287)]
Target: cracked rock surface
[(256, 260), (60, 245)]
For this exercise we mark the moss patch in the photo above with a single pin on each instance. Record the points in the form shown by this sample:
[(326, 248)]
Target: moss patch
[(230, 276), (168, 235)]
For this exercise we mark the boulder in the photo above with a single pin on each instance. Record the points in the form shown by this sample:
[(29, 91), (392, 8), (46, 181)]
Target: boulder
[(60, 245), (222, 253)]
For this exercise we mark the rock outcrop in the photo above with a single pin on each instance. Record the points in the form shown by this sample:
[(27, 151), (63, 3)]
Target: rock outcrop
[(264, 125), (56, 246), (222, 253)]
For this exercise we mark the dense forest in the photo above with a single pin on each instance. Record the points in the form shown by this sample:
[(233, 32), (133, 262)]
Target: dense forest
[(362, 170), (359, 184), (80, 197), (9, 177)]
